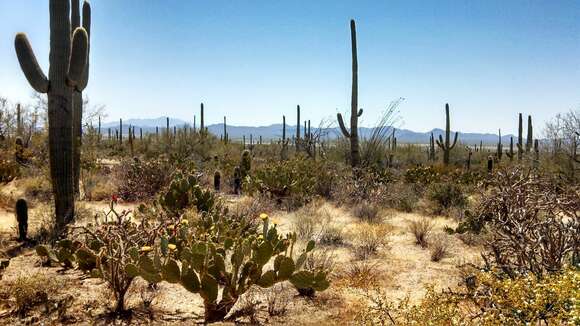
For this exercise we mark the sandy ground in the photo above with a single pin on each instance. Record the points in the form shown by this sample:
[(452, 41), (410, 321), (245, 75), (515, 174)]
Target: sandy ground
[(405, 270)]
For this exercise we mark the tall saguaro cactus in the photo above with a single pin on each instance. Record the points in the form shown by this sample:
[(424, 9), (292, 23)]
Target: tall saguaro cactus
[(68, 58), (520, 137), (499, 151), (79, 88), (530, 136), (297, 141), (201, 125), (355, 113), (446, 146)]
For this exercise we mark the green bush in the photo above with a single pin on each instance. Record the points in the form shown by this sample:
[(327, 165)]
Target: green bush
[(446, 195)]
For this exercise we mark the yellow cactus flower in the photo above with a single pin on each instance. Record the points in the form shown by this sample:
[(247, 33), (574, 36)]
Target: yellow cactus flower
[(185, 222), (171, 246), (261, 237), (146, 248), (264, 216)]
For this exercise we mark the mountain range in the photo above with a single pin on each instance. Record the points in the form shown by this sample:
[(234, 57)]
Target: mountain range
[(274, 131)]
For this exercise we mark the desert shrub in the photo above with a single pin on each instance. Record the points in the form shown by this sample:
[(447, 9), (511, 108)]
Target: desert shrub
[(38, 188), (367, 239), (524, 301), (32, 290), (403, 196), (438, 246), (9, 169), (533, 223), (421, 229), (361, 274), (363, 185), (305, 225), (139, 180), (296, 181), (367, 212), (107, 251), (318, 262), (424, 175), (445, 196)]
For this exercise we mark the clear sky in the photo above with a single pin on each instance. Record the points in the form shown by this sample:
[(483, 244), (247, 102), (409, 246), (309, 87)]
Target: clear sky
[(255, 60)]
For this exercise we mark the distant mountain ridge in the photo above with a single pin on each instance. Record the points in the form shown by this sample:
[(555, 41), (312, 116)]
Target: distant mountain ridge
[(274, 131)]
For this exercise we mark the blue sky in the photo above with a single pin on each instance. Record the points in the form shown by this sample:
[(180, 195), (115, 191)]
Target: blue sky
[(255, 60)]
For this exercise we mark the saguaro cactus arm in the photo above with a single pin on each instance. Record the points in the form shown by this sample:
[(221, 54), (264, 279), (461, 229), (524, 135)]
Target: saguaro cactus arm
[(342, 127), (79, 55), (84, 80), (29, 64)]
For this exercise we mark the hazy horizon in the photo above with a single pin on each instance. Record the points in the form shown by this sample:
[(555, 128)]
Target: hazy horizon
[(255, 61)]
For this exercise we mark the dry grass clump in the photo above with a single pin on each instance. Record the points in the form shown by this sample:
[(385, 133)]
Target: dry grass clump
[(367, 212), (29, 291), (368, 238), (438, 245), (362, 274), (37, 188), (331, 235), (278, 298), (311, 222), (421, 229)]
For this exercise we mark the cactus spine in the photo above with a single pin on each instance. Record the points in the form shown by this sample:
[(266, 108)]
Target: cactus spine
[(446, 146), (78, 89), (68, 58), (355, 113)]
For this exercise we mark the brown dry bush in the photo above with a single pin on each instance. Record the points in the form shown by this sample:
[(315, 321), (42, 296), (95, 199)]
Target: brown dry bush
[(438, 247), (421, 229), (367, 212), (534, 222), (367, 239), (361, 274), (32, 290), (139, 180), (278, 298)]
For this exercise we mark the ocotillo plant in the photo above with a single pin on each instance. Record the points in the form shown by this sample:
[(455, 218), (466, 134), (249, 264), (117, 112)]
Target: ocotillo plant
[(68, 58), (355, 113), (499, 151), (530, 136), (80, 87), (297, 140), (520, 137), (446, 146)]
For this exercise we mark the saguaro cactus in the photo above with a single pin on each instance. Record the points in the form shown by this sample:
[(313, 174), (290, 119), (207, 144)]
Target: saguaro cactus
[(510, 153), (225, 131), (68, 58), (201, 125), (520, 137), (530, 136), (21, 209), (499, 151), (355, 113), (432, 148), (446, 146), (79, 88), (297, 140)]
